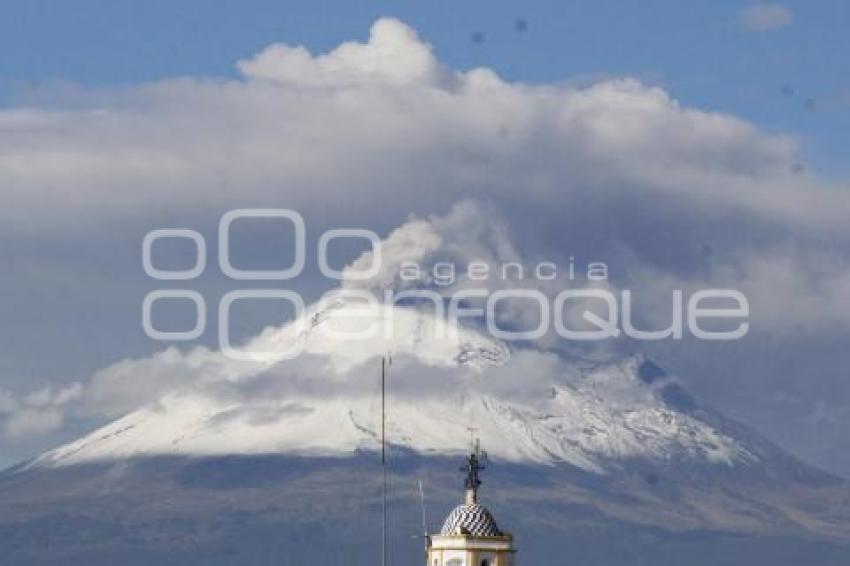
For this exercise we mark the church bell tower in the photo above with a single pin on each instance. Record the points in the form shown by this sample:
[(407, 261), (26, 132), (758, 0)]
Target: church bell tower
[(470, 536)]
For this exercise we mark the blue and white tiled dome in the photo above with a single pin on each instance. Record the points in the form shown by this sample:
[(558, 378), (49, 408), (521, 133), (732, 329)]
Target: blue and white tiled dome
[(471, 519)]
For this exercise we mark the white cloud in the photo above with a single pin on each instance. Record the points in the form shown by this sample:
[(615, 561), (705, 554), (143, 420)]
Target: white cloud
[(766, 17), (38, 412), (383, 122), (33, 422), (414, 241), (393, 54)]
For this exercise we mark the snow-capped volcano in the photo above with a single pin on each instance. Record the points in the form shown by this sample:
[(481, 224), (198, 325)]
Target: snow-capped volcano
[(273, 459), (445, 380)]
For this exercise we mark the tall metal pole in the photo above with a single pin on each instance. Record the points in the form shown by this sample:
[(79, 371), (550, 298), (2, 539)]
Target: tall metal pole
[(384, 457), (422, 506)]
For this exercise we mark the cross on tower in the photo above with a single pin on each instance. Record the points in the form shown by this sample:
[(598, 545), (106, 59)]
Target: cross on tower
[(475, 464)]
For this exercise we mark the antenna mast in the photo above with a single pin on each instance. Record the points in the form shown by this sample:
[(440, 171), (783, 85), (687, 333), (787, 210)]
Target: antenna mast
[(384, 363), (422, 505)]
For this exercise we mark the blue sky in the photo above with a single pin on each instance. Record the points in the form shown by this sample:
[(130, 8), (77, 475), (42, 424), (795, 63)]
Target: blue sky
[(87, 95), (795, 79)]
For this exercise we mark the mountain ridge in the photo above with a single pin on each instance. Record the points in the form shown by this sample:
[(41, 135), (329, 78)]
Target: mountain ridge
[(277, 461)]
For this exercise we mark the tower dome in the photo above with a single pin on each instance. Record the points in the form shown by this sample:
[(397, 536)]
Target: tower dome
[(470, 536), (471, 519)]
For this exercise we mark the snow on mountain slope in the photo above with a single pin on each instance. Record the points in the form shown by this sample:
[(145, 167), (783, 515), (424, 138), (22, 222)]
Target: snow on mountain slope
[(584, 415)]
